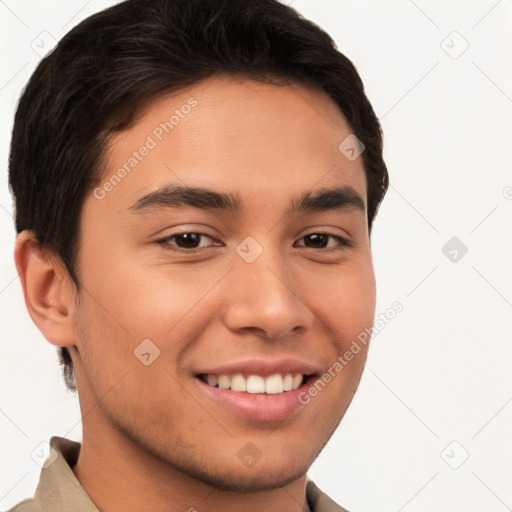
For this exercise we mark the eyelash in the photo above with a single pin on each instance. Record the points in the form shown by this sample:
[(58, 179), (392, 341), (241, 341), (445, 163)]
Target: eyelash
[(164, 242)]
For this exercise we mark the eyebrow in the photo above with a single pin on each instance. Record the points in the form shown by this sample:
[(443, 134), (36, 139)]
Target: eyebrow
[(179, 196)]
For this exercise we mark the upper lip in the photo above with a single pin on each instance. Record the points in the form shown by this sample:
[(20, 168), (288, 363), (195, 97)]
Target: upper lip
[(263, 367)]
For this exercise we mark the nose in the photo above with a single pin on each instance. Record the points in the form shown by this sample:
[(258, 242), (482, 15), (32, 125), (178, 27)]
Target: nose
[(265, 298)]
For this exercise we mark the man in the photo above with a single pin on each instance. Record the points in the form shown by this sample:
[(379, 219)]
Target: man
[(195, 185)]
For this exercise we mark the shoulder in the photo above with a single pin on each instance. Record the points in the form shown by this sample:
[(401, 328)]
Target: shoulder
[(28, 505), (319, 501)]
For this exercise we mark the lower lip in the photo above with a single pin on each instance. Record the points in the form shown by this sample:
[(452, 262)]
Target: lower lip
[(257, 406)]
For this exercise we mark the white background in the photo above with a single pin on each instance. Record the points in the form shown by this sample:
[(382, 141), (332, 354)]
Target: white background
[(441, 370)]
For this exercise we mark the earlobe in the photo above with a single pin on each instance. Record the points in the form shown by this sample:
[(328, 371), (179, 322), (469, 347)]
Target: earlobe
[(47, 289)]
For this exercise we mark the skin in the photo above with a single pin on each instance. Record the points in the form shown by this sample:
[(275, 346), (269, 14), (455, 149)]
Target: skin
[(152, 440)]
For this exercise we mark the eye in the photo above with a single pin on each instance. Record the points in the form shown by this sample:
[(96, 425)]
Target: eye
[(321, 241), (189, 242)]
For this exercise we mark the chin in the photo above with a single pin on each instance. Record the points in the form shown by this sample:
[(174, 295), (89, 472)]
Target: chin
[(222, 469), (253, 479)]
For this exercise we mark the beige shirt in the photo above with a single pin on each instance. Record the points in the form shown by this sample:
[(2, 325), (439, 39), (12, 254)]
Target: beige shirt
[(59, 490)]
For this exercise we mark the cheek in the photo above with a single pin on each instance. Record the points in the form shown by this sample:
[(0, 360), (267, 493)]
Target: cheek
[(149, 299), (345, 300), (346, 309), (117, 371), (126, 304)]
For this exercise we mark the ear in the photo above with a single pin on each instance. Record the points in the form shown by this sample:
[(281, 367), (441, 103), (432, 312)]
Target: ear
[(48, 290)]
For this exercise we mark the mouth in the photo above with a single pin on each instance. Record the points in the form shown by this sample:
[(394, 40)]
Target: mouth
[(259, 398), (255, 384)]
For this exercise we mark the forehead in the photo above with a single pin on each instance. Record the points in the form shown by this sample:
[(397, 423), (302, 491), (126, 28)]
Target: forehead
[(233, 133)]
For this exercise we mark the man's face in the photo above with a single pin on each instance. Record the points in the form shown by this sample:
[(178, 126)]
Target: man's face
[(255, 292)]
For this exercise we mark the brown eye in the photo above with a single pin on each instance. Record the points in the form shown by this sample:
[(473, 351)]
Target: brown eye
[(188, 242), (317, 240), (321, 241)]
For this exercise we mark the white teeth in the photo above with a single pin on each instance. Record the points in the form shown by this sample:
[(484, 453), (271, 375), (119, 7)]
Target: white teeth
[(224, 381), (297, 380), (273, 385), (238, 383), (255, 384), (288, 382), (212, 380)]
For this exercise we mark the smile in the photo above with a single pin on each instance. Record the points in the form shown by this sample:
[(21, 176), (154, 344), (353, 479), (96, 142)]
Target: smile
[(271, 385)]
